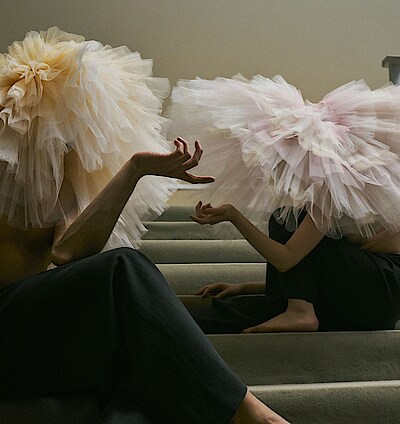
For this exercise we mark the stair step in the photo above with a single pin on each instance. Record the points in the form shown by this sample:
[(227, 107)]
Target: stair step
[(200, 251), (188, 278), (309, 378), (177, 213), (304, 358), (344, 403), (193, 301), (163, 230)]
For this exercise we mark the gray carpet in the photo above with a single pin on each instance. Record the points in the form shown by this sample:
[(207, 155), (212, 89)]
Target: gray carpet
[(313, 378)]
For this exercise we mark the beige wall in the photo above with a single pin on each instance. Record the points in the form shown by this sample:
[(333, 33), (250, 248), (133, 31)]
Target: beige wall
[(315, 44)]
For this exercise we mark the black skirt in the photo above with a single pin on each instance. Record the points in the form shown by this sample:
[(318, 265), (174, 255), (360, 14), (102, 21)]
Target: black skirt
[(351, 289), (110, 325)]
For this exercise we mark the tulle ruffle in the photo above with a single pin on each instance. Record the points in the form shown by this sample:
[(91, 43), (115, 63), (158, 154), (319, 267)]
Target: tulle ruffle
[(270, 149), (78, 110)]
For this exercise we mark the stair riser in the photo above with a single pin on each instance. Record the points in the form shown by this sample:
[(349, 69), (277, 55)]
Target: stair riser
[(188, 278), (200, 251), (285, 370), (299, 358), (177, 213), (344, 405), (189, 231)]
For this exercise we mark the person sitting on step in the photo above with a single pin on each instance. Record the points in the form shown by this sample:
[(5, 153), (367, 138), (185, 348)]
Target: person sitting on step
[(104, 323), (325, 178)]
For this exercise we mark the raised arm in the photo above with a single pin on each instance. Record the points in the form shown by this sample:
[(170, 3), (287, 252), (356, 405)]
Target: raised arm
[(89, 232), (282, 256)]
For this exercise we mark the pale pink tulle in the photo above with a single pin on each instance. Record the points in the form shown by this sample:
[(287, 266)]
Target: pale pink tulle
[(271, 149), (64, 97)]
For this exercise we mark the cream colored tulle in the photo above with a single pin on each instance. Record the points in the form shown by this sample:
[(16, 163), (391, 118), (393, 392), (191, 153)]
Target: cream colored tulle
[(270, 149), (64, 97)]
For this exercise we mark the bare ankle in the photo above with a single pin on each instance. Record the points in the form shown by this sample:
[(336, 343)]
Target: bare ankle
[(304, 314), (300, 306), (299, 316), (253, 411)]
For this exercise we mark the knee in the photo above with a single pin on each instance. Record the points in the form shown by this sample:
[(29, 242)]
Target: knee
[(120, 252), (113, 259), (131, 260), (133, 271)]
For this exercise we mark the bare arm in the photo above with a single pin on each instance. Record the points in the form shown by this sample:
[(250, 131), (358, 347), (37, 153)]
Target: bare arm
[(282, 256), (89, 232)]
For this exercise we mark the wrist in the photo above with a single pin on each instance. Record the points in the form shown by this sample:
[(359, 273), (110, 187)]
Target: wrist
[(137, 166), (233, 215), (241, 288), (133, 171)]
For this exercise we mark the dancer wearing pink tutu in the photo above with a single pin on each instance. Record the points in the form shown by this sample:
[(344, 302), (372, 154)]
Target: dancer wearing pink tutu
[(81, 135), (314, 188)]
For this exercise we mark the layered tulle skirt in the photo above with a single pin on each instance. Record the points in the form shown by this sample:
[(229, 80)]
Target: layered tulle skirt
[(270, 149), (77, 110)]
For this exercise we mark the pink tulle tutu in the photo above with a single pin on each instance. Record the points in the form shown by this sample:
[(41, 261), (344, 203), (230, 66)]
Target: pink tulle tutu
[(76, 109), (270, 149)]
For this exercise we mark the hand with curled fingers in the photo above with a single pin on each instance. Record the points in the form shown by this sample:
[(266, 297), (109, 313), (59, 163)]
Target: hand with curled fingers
[(220, 290), (174, 165), (206, 214)]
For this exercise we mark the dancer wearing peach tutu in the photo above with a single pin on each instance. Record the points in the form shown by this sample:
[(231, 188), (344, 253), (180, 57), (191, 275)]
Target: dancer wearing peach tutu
[(81, 132), (314, 188)]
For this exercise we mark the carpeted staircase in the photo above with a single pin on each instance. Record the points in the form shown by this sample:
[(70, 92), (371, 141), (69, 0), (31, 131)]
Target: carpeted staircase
[(313, 378)]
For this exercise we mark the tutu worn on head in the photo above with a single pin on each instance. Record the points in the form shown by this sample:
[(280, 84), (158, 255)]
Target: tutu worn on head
[(78, 110), (269, 149)]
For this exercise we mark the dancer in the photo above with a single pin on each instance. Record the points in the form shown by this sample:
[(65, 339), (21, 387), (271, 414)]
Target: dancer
[(325, 177), (105, 324)]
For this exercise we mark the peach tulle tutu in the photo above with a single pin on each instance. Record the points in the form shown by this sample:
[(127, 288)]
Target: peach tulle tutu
[(77, 110)]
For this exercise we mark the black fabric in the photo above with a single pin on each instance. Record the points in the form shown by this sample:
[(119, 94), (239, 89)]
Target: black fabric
[(45, 410), (234, 314), (110, 325), (351, 289)]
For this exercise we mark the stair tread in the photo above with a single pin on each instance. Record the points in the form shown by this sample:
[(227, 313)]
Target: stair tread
[(327, 386), (345, 403), (186, 279), (177, 213), (199, 251), (319, 357), (167, 230), (319, 378)]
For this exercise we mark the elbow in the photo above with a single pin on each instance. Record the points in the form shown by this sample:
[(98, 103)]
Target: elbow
[(60, 258), (61, 255), (286, 260), (285, 265)]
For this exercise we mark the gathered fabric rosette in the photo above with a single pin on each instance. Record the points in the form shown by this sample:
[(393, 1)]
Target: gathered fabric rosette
[(272, 151), (76, 110)]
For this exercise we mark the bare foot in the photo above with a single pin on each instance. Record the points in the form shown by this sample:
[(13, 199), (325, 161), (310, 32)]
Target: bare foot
[(253, 411), (299, 316)]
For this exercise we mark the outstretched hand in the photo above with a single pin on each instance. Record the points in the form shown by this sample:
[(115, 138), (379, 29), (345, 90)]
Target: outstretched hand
[(206, 214), (175, 164), (220, 290)]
